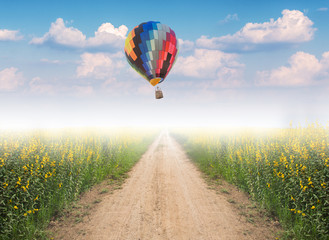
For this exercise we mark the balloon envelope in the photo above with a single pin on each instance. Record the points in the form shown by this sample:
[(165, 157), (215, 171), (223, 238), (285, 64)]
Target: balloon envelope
[(151, 49)]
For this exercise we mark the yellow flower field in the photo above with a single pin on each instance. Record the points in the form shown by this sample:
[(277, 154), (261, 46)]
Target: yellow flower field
[(285, 170), (42, 171)]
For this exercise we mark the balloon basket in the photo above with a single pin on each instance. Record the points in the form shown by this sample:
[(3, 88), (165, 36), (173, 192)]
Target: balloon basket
[(158, 93)]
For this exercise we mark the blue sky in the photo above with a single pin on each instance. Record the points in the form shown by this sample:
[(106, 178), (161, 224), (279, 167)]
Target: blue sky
[(241, 63)]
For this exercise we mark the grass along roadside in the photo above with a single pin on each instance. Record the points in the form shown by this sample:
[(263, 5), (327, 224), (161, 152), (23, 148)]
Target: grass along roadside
[(261, 222), (285, 170), (42, 172), (63, 224)]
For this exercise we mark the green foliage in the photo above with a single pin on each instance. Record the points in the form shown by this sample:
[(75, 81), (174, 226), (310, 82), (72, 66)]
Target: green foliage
[(286, 171), (42, 172)]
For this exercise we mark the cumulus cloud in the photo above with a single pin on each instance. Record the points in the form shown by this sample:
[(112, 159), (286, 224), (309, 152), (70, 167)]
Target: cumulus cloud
[(10, 79), (222, 69), (107, 34), (99, 65), (185, 45), (9, 35), (106, 69), (59, 35), (293, 27), (304, 70)]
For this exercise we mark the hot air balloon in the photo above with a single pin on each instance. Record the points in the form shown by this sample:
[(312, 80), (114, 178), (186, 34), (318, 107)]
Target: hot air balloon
[(151, 49)]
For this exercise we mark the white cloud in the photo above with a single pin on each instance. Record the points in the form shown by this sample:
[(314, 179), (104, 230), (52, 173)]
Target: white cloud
[(37, 85), (324, 9), (10, 79), (99, 65), (60, 34), (304, 70), (107, 34), (293, 27), (9, 35), (228, 77), (106, 37), (185, 45), (46, 60), (221, 69), (230, 17)]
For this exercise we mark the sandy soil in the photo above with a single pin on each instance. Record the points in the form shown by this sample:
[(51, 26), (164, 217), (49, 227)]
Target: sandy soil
[(165, 197)]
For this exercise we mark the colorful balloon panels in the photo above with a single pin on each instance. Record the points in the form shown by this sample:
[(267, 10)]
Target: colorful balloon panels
[(151, 49)]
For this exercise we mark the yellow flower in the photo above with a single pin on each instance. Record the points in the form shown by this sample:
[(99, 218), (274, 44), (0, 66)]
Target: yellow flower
[(19, 181), (309, 181), (16, 207), (5, 185), (312, 207), (268, 185)]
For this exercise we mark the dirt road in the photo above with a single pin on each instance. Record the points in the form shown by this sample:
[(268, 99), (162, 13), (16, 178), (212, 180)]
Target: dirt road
[(164, 198)]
